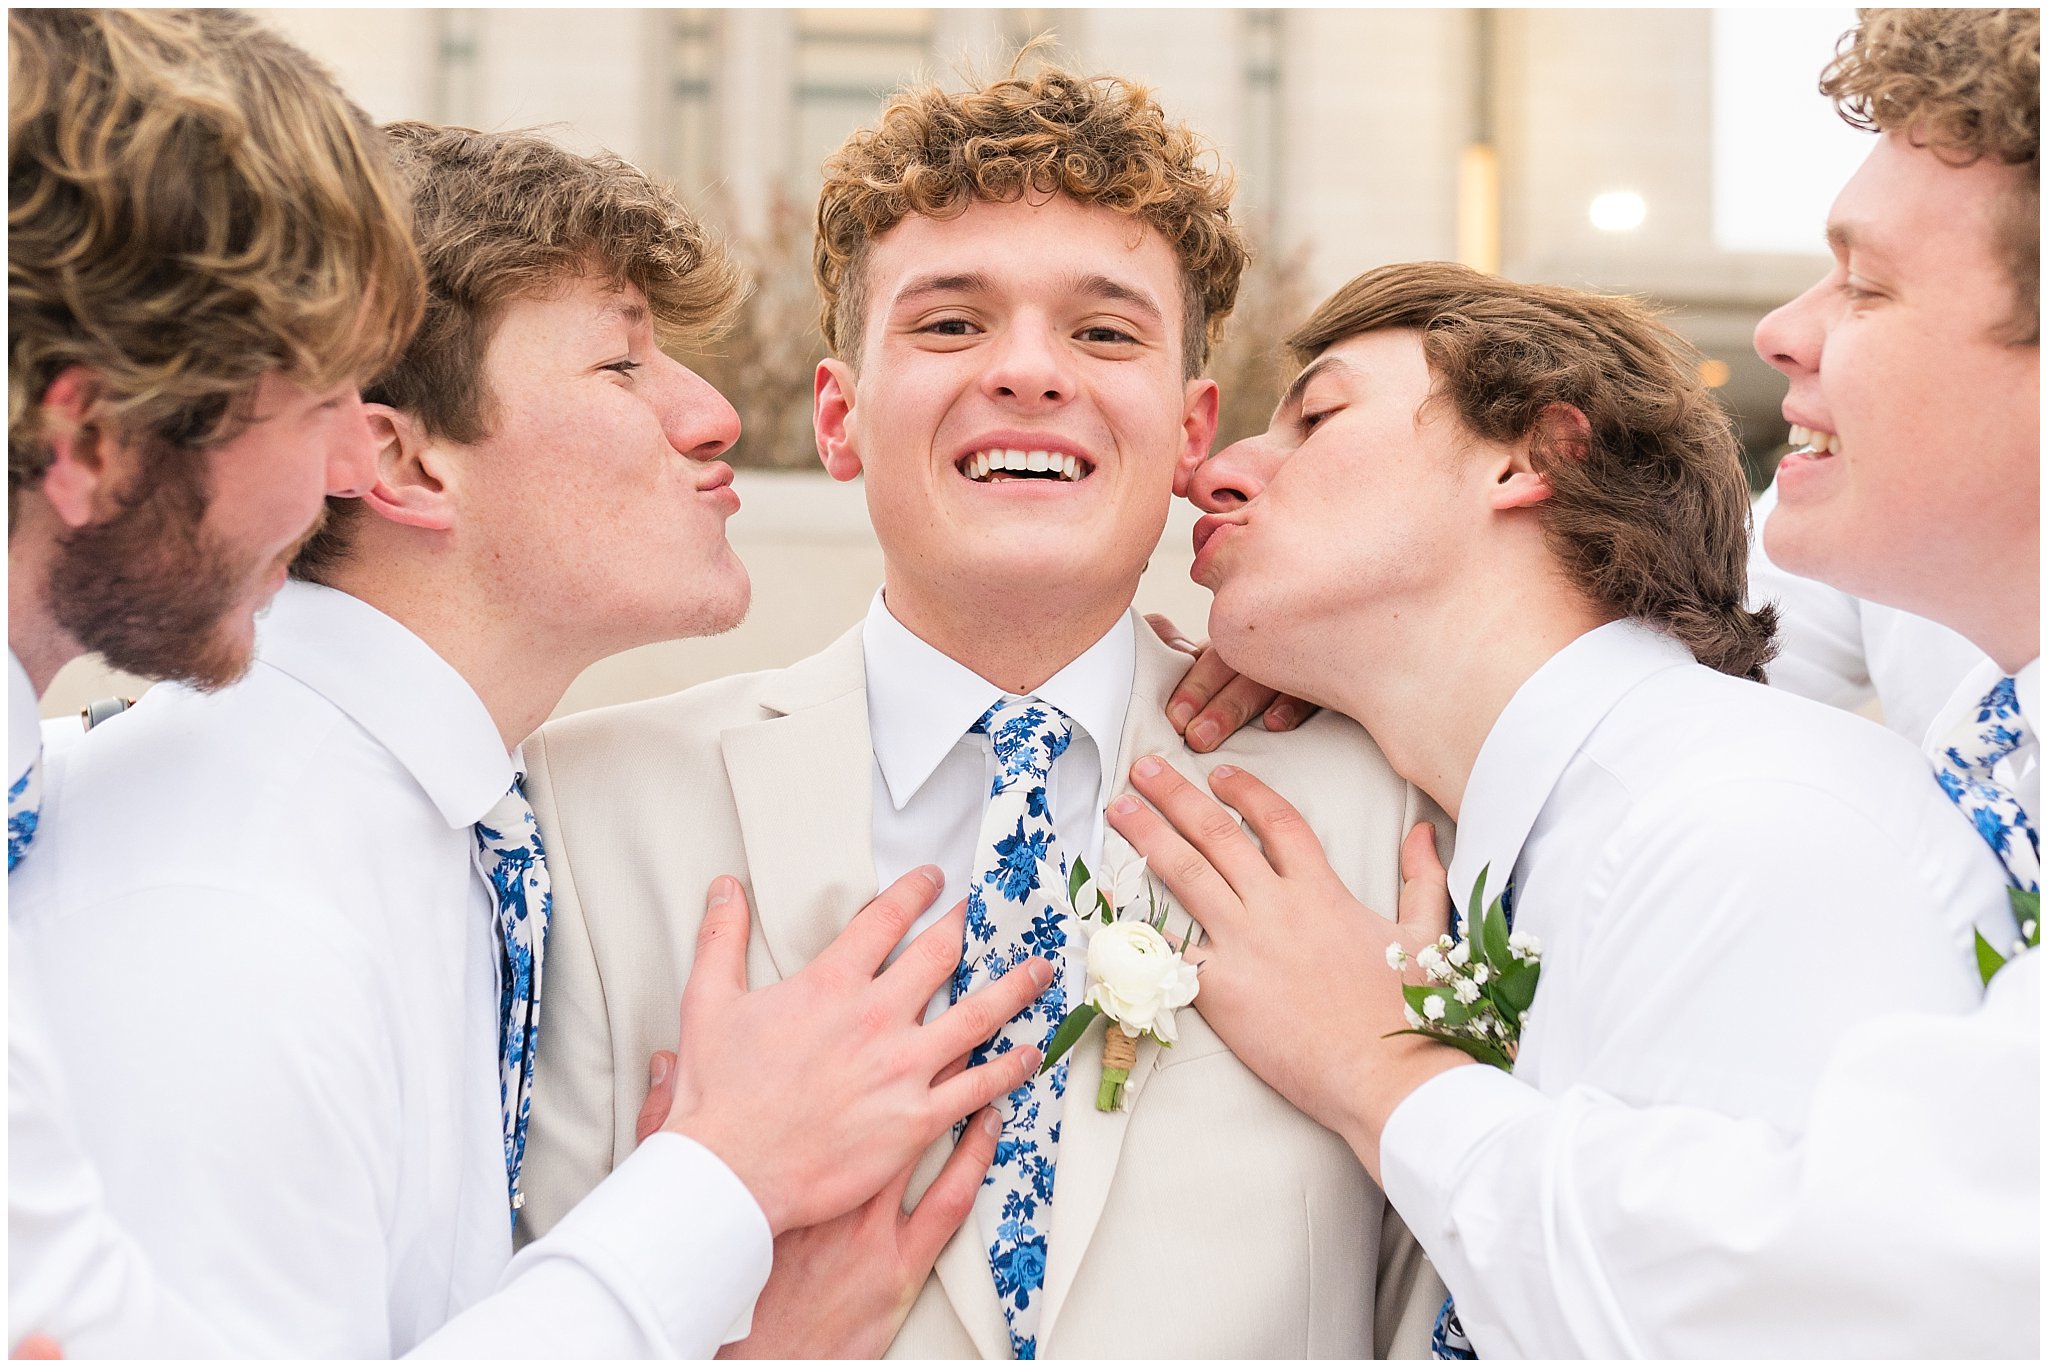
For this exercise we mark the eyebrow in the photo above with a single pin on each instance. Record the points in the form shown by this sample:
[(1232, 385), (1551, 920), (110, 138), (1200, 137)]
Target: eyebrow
[(627, 311), (1116, 292), (953, 282), (1310, 372)]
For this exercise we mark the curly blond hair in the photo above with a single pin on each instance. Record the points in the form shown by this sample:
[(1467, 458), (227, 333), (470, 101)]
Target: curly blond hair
[(1966, 83), (1098, 140), (1651, 519), (514, 215), (192, 203)]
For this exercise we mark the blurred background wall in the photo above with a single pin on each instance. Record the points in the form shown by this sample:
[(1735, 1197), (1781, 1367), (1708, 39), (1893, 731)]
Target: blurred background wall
[(1685, 155)]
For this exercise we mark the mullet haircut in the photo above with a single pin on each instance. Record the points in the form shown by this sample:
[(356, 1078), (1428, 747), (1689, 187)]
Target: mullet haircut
[(192, 203), (1096, 140), (1651, 519)]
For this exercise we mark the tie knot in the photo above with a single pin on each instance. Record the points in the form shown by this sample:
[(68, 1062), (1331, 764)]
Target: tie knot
[(1028, 735), (510, 821)]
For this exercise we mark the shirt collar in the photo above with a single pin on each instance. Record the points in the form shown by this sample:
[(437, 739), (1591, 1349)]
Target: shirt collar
[(921, 701), (24, 723), (1535, 738), (392, 685), (2027, 685)]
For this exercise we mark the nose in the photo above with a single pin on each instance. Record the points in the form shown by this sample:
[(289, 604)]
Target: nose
[(1789, 338), (698, 421), (351, 451), (1234, 475), (1027, 366)]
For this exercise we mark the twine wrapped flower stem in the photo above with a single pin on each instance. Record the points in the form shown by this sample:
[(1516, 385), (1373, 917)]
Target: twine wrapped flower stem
[(1135, 976)]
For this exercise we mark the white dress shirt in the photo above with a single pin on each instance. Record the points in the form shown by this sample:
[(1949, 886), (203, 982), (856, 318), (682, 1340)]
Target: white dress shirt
[(932, 776), (259, 930), (72, 1272), (1845, 651), (1725, 880)]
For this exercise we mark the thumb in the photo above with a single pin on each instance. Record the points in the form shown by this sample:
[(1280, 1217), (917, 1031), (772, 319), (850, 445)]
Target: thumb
[(661, 1094), (719, 973), (1425, 895)]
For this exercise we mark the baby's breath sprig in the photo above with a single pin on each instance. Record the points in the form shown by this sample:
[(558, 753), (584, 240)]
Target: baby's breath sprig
[(1479, 989)]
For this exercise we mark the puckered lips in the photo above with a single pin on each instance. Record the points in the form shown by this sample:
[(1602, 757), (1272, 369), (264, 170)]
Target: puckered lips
[(1208, 530), (715, 480), (1019, 460)]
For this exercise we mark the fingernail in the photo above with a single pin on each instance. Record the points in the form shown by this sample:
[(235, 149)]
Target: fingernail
[(1124, 806), (1278, 717), (1149, 766), (992, 1125), (1179, 714), (1203, 735), (657, 1070), (1223, 772), (722, 889), (1041, 972), (933, 875)]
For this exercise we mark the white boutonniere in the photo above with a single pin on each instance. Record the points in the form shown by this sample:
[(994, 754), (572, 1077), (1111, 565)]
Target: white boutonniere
[(1479, 989), (1135, 976)]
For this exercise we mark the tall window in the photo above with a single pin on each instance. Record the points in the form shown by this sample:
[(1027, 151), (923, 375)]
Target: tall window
[(846, 61)]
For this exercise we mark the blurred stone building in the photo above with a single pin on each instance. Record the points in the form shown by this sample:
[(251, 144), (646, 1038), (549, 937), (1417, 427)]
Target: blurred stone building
[(1680, 154)]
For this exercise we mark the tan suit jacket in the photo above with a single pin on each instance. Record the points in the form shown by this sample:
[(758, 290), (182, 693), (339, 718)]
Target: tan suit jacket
[(1209, 1219)]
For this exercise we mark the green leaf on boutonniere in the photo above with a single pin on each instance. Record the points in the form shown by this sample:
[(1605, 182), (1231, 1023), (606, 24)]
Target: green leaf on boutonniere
[(1493, 937), (1070, 1030), (2026, 910), (1076, 876), (1478, 1049), (1515, 988), (1989, 961)]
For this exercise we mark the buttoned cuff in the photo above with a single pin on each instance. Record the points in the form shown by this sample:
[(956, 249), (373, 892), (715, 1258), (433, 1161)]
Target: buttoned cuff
[(677, 1238), (1430, 1141)]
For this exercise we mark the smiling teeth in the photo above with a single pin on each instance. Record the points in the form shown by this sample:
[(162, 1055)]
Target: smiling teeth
[(1813, 439), (984, 463)]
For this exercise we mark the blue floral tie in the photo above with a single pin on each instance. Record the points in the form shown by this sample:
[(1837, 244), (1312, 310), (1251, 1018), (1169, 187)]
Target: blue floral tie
[(1447, 1339), (1964, 769), (24, 807), (510, 857), (1016, 908)]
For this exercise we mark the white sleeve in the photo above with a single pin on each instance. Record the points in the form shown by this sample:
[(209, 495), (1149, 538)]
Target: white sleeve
[(235, 1069), (663, 1259), (73, 1273), (1905, 1222), (1821, 652)]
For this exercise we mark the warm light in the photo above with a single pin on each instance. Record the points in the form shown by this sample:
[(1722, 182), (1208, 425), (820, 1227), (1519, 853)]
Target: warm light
[(1617, 211), (1713, 373), (1479, 209)]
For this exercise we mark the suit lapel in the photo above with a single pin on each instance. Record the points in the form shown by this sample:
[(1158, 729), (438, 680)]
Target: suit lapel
[(802, 784), (1091, 1141)]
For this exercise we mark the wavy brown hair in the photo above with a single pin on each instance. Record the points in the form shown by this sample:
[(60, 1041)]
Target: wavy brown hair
[(1098, 140), (514, 215), (192, 203), (1649, 516), (1966, 83)]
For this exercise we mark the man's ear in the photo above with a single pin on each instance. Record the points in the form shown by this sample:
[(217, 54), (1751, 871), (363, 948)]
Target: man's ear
[(89, 466), (412, 483), (832, 419), (1199, 416), (1563, 433)]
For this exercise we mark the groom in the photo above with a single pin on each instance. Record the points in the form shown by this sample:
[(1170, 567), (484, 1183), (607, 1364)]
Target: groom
[(1018, 338)]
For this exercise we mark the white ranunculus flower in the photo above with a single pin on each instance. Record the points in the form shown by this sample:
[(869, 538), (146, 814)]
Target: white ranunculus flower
[(1137, 980)]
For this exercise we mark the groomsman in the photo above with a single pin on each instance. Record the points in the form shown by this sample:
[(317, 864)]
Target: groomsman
[(342, 907), (195, 293), (1900, 1214)]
